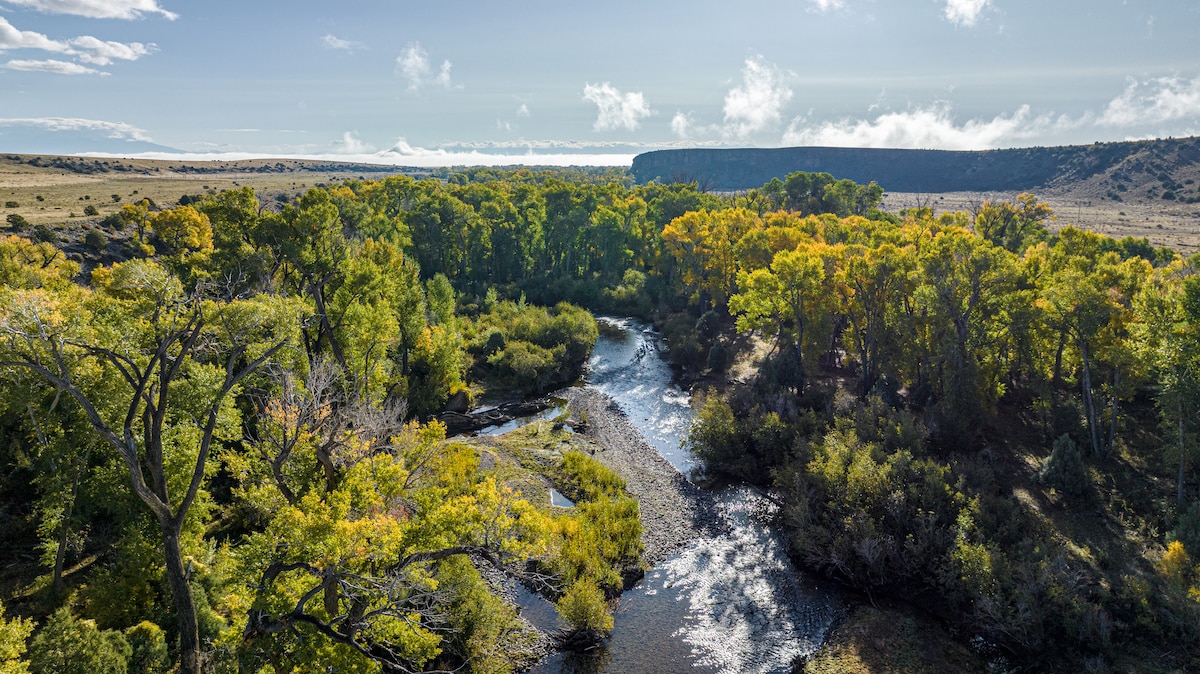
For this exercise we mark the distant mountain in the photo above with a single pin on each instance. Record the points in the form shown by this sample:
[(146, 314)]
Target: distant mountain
[(1109, 166), (32, 140)]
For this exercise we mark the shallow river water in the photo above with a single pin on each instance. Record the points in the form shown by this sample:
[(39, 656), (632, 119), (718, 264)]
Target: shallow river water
[(732, 602)]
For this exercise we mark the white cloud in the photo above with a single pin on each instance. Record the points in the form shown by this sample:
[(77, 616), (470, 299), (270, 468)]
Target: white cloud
[(53, 66), (758, 103), (98, 9), (12, 38), (928, 128), (101, 52), (88, 49), (443, 78), (352, 144), (826, 5), (616, 110), (413, 64), (1154, 101), (965, 12), (117, 130), (334, 42), (523, 110), (681, 124)]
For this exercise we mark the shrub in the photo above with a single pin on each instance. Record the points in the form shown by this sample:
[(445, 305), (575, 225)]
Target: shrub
[(91, 211), (149, 649), (114, 222), (709, 324), (1064, 469), (17, 222), (13, 634), (43, 234), (718, 358), (583, 606), (69, 645), (11, 204), (1187, 531), (96, 241)]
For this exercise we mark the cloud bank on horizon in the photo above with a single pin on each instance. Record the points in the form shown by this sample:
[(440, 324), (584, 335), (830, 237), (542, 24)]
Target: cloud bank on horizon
[(954, 74)]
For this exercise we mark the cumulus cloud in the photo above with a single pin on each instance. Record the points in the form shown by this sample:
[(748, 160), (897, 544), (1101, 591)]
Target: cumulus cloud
[(335, 42), (1154, 101), (414, 65), (523, 110), (116, 130), (758, 102), (101, 52), (352, 144), (965, 12), (616, 110), (12, 38), (681, 124), (98, 9), (933, 127), (443, 77), (52, 66)]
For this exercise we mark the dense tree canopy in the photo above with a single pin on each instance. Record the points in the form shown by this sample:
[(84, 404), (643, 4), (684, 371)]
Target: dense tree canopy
[(239, 426)]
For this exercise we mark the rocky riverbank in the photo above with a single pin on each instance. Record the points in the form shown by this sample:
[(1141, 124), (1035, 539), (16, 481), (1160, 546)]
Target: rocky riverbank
[(674, 512)]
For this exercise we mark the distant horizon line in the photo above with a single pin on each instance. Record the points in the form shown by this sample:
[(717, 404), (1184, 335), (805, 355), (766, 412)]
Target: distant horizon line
[(440, 158)]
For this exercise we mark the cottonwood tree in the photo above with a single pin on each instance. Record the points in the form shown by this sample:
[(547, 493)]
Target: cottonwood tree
[(179, 359)]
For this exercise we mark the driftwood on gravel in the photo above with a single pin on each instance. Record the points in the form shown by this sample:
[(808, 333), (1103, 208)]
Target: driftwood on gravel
[(458, 423)]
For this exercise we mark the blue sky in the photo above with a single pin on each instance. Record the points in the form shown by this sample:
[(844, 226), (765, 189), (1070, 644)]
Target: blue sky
[(445, 82)]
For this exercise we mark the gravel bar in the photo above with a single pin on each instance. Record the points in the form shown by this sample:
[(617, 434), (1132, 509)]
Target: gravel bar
[(674, 512)]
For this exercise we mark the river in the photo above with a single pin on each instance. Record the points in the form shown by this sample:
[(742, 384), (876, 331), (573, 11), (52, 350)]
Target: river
[(729, 602)]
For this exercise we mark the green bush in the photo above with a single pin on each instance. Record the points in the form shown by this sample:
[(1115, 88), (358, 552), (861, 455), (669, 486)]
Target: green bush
[(718, 357), (69, 645), (13, 634), (17, 222), (11, 204), (43, 234), (95, 241), (479, 620), (149, 649), (583, 606), (91, 211), (1187, 531), (1064, 469)]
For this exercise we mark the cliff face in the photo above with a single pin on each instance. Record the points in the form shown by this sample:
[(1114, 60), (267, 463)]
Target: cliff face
[(904, 170)]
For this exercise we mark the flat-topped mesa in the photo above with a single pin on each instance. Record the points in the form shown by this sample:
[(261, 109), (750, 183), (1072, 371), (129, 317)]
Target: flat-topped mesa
[(900, 170)]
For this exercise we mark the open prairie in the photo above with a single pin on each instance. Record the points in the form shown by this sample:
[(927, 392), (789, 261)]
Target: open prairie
[(1164, 223), (55, 191)]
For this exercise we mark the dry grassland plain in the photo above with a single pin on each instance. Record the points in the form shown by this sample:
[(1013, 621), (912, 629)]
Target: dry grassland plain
[(57, 197)]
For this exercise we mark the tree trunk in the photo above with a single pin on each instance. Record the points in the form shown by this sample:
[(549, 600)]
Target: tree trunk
[(1182, 454), (185, 606), (1113, 402), (1089, 405), (1062, 343)]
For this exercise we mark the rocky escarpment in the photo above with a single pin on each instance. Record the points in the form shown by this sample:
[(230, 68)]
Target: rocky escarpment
[(918, 170)]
